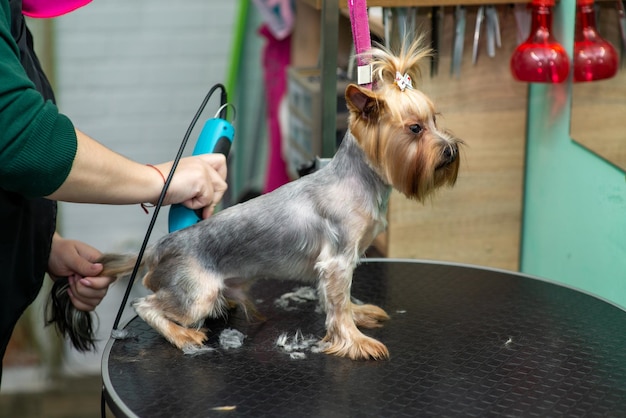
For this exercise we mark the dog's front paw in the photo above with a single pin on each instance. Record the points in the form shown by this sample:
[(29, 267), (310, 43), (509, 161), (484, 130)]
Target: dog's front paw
[(360, 348), (368, 316)]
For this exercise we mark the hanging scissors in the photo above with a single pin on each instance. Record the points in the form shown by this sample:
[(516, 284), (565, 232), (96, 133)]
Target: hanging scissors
[(490, 14)]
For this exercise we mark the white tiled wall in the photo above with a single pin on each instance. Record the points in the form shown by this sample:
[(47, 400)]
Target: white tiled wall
[(132, 74)]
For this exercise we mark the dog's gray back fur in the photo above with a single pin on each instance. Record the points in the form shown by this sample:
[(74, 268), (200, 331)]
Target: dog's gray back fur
[(294, 223)]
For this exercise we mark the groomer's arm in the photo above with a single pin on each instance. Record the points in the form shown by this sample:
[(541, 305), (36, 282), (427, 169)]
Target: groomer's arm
[(42, 153), (100, 175)]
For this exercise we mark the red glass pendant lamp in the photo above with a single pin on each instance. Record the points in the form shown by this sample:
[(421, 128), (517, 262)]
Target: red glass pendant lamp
[(540, 59), (594, 57)]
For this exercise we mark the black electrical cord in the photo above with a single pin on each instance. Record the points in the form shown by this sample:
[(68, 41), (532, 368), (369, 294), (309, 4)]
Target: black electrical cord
[(131, 280), (157, 208)]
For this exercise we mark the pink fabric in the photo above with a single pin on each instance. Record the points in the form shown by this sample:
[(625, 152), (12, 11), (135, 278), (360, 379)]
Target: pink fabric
[(360, 30), (50, 8), (276, 59)]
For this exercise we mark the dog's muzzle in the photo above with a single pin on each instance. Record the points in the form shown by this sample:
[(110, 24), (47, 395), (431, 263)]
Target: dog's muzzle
[(449, 154)]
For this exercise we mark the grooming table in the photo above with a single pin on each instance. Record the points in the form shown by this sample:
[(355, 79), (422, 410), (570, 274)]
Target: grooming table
[(464, 341)]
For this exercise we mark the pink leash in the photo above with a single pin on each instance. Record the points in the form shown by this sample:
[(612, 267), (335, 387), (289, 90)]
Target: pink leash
[(362, 41)]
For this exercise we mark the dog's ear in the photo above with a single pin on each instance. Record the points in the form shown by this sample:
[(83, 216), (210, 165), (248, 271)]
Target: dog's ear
[(363, 102)]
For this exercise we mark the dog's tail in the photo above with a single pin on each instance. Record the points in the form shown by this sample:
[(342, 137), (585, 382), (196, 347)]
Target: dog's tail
[(237, 295), (75, 324)]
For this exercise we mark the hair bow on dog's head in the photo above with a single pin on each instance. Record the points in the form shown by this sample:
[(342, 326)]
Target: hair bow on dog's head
[(403, 81)]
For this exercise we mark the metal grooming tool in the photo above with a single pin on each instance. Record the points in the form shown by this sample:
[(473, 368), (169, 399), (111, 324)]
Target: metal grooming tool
[(406, 20), (398, 22), (480, 16), (387, 22), (460, 14), (494, 38)]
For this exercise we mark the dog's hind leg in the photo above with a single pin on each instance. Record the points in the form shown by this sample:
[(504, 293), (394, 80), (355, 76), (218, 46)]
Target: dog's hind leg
[(184, 296), (343, 338), (150, 309)]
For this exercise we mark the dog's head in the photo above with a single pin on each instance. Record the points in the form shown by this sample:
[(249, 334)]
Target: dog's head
[(395, 125)]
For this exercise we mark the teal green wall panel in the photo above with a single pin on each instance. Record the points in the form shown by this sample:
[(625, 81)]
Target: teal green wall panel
[(248, 95), (574, 221)]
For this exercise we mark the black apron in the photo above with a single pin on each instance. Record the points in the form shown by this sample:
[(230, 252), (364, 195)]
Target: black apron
[(26, 225)]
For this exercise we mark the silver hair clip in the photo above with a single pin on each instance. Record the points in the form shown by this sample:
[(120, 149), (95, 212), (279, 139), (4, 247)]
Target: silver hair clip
[(403, 81)]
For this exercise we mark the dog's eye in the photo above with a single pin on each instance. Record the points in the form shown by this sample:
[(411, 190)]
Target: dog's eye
[(416, 129)]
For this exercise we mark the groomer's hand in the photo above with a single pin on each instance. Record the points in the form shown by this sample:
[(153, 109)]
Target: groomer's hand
[(198, 183), (100, 175), (76, 261)]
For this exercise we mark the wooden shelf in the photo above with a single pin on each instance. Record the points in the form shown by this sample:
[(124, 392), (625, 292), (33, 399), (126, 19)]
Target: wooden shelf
[(407, 3)]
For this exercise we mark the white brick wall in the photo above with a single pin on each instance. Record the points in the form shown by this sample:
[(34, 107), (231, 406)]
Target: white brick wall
[(131, 74)]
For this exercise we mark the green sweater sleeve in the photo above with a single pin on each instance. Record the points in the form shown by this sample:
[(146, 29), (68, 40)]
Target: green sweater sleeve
[(37, 143)]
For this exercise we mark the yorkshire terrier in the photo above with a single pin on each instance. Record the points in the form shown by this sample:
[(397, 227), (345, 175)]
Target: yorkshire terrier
[(313, 229)]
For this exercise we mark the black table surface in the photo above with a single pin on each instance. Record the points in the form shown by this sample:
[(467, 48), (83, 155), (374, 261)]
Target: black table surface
[(464, 341)]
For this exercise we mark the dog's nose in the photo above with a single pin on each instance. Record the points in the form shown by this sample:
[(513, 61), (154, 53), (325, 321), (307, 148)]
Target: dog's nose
[(450, 153)]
